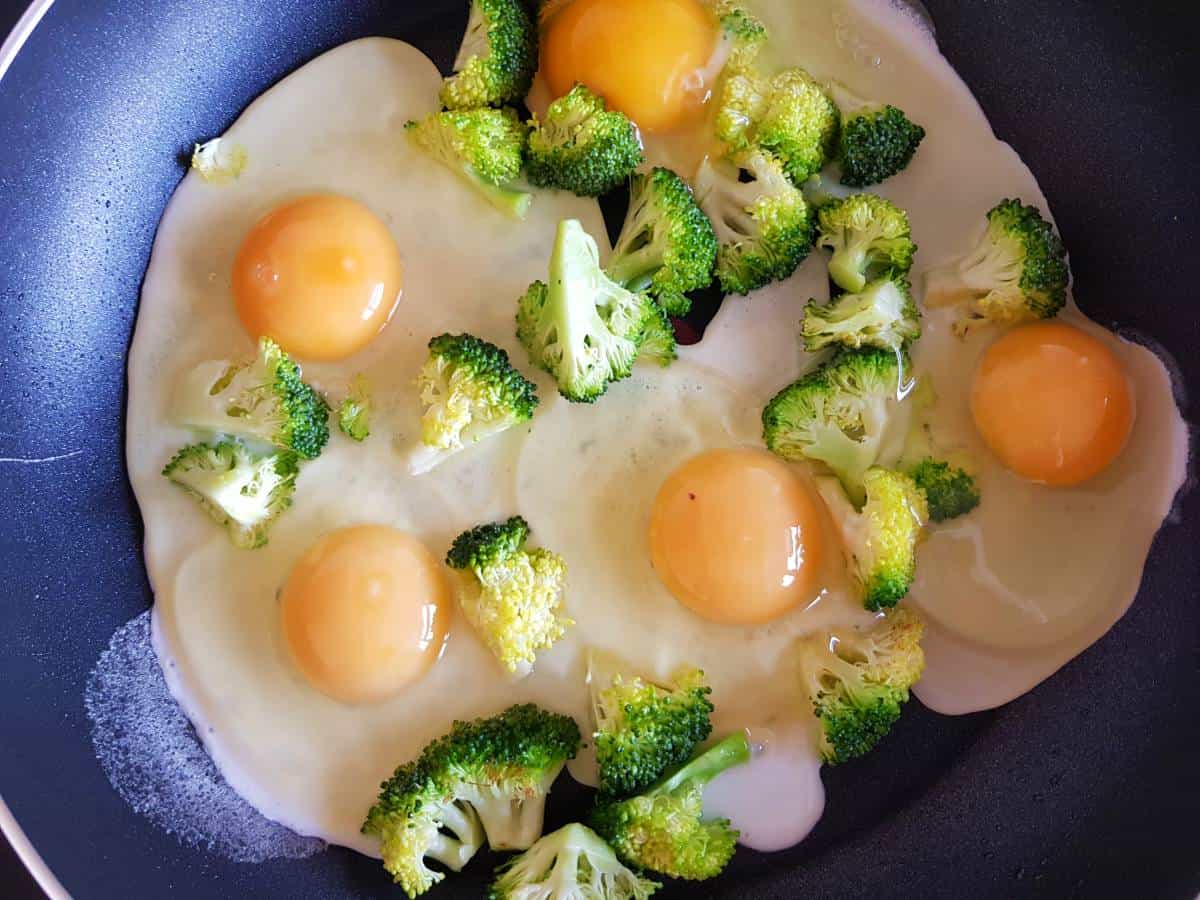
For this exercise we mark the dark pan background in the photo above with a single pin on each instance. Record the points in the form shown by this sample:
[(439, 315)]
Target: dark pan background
[(1088, 787)]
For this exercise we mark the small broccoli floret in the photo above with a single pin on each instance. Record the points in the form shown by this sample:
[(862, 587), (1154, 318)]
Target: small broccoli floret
[(1018, 271), (485, 779), (484, 146), (264, 400), (741, 98), (354, 413), (763, 225), (869, 237), (243, 490), (658, 338), (584, 329), (876, 143), (836, 414), (219, 160), (667, 245), (573, 863), (798, 124), (949, 490), (882, 315), (662, 829), (582, 147), (497, 58), (858, 680)]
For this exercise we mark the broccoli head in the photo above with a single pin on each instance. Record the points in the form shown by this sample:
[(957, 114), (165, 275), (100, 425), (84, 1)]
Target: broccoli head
[(858, 680), (869, 237), (497, 58), (582, 147), (746, 32), (798, 124), (882, 314), (949, 490), (354, 413), (876, 142), (658, 338), (573, 863)]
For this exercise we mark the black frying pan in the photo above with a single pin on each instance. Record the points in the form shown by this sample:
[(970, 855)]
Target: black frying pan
[(1087, 787)]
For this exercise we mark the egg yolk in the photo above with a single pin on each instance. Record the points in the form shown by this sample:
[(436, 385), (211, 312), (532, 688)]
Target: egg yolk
[(734, 536), (645, 57), (321, 275), (365, 613), (1052, 403)]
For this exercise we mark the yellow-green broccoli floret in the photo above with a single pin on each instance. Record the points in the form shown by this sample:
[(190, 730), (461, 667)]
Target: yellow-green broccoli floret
[(797, 123), (573, 863), (354, 412), (870, 239), (949, 490), (497, 57), (883, 314), (658, 338)]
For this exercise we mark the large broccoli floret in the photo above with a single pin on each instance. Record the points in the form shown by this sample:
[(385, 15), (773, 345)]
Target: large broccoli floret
[(582, 147), (264, 400), (658, 338), (512, 596), (763, 225), (663, 830), (870, 239), (949, 490), (497, 58), (354, 412), (667, 245), (573, 863), (1017, 271), (876, 143), (584, 329), (484, 146), (798, 124), (469, 391), (883, 314), (858, 680), (485, 779)]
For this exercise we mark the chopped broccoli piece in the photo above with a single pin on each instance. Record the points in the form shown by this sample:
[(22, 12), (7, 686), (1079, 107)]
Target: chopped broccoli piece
[(658, 338), (763, 225), (858, 680), (219, 160), (243, 490), (820, 191), (484, 146), (882, 315), (354, 413), (739, 25), (869, 237), (949, 490), (662, 829), (582, 147), (1017, 271), (263, 400), (798, 124), (584, 329), (740, 102), (487, 778), (497, 58), (573, 863), (876, 143), (667, 245)]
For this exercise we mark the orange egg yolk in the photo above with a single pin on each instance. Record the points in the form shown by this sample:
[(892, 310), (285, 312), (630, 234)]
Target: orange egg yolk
[(734, 536), (365, 613), (1052, 403), (645, 57), (320, 274)]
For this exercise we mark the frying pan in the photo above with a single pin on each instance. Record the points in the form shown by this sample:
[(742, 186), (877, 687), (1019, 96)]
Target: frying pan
[(1086, 787)]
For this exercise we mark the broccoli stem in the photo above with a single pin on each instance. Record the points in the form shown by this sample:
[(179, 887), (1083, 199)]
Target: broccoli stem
[(455, 852), (509, 201), (846, 267), (511, 824), (635, 270), (725, 754)]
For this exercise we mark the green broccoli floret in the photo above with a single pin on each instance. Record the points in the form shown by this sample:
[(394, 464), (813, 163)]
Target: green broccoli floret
[(667, 245), (876, 143), (573, 863), (883, 314), (484, 146), (354, 413), (497, 58), (1018, 271), (243, 490), (836, 414), (798, 124), (858, 680), (744, 32), (264, 400), (485, 779), (658, 338), (870, 239), (513, 597), (949, 490), (763, 225), (662, 829), (584, 329), (582, 147)]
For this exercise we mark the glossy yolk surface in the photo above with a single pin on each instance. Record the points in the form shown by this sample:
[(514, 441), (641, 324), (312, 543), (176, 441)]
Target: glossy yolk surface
[(734, 535), (1053, 403), (645, 57), (320, 274), (365, 612)]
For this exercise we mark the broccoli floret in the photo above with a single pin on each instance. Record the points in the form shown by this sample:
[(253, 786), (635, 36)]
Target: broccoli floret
[(497, 58), (263, 400), (667, 245), (741, 98), (883, 314), (582, 147), (485, 779), (573, 863), (584, 329), (858, 680), (798, 124), (1018, 271), (876, 143), (662, 829), (469, 391), (870, 239), (739, 25), (512, 596), (763, 225), (836, 414), (658, 338), (354, 413), (241, 489), (219, 160), (949, 490), (484, 146)]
